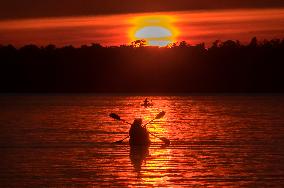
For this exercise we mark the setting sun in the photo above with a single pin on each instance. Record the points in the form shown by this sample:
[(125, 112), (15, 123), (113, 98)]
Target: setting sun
[(156, 30)]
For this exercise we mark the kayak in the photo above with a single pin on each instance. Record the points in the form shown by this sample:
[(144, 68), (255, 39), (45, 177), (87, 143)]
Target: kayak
[(147, 105), (139, 136), (139, 141)]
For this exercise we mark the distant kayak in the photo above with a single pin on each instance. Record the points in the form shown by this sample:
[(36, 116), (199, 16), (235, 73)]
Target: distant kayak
[(147, 105)]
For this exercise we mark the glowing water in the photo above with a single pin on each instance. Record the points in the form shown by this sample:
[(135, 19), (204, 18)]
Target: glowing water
[(216, 141)]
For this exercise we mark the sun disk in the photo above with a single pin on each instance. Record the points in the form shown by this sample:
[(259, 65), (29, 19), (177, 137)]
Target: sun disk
[(156, 30)]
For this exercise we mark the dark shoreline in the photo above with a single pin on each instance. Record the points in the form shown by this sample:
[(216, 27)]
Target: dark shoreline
[(225, 67)]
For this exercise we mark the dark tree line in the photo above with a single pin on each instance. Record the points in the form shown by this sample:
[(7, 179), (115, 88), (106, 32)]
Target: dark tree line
[(224, 67)]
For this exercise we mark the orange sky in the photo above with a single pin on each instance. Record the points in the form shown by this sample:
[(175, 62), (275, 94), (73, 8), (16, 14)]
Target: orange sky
[(192, 26)]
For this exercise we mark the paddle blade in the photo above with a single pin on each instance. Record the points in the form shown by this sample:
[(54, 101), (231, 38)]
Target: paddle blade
[(160, 115), (165, 140), (114, 116), (118, 142)]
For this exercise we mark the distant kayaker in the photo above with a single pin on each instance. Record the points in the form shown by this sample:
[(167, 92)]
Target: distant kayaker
[(139, 135), (146, 101)]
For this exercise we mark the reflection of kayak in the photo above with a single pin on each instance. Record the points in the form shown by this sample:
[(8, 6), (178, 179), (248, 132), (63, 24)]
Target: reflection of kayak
[(147, 105), (137, 155)]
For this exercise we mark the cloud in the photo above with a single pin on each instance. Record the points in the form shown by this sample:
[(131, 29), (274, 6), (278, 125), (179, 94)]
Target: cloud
[(17, 9), (193, 26)]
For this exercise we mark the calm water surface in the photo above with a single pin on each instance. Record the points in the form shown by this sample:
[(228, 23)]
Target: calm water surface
[(66, 141)]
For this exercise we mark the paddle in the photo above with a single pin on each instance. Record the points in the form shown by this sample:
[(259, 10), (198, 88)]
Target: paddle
[(165, 140), (159, 116), (117, 117), (120, 141)]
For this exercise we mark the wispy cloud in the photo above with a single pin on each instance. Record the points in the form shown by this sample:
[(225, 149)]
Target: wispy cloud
[(193, 26)]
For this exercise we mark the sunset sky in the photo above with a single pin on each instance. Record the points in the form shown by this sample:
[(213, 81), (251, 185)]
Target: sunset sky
[(116, 22)]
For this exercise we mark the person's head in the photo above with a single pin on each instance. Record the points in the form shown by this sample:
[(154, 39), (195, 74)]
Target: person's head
[(137, 122)]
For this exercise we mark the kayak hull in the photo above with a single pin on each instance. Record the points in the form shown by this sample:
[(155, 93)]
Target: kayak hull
[(134, 142), (147, 105), (139, 137)]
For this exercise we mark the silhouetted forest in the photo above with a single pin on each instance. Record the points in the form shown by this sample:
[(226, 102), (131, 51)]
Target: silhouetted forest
[(223, 67)]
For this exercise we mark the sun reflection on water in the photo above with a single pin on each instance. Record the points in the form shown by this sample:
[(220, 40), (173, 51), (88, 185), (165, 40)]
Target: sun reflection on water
[(151, 164), (156, 167)]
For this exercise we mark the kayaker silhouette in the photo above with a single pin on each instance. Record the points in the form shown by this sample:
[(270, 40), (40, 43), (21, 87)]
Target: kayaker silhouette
[(139, 135), (146, 103), (139, 143)]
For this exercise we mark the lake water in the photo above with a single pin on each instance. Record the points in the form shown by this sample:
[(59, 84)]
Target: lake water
[(216, 141)]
